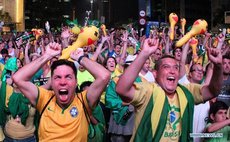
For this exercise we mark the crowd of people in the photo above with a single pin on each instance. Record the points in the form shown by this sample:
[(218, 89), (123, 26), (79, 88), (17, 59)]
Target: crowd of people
[(124, 87)]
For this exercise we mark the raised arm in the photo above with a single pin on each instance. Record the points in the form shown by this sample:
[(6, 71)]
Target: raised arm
[(99, 48), (217, 125), (183, 59), (213, 89), (27, 58), (23, 76), (125, 84), (124, 39), (101, 75)]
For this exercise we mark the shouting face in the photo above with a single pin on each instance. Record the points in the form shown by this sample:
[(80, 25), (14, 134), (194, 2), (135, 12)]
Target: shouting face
[(64, 84), (168, 75), (111, 64)]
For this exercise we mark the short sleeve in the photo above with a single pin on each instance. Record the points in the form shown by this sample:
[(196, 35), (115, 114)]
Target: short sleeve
[(86, 101), (43, 97), (143, 92), (195, 89)]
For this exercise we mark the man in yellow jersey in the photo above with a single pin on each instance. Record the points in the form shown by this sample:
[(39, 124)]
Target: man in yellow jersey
[(164, 110), (65, 117)]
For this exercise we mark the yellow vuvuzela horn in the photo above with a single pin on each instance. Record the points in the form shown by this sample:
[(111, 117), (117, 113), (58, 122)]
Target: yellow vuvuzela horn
[(193, 44), (87, 36), (198, 27), (173, 19)]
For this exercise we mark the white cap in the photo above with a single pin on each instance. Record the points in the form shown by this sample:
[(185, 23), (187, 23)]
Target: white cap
[(130, 58)]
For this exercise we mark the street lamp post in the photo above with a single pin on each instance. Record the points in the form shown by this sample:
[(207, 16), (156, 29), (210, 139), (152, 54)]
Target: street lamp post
[(91, 8)]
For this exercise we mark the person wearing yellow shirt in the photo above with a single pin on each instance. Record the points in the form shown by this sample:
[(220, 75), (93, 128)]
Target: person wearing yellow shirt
[(65, 117)]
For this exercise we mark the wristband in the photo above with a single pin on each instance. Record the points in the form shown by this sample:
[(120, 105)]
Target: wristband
[(80, 58)]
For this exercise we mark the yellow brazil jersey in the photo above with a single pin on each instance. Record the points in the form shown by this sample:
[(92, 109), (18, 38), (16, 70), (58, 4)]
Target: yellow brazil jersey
[(172, 130), (58, 125)]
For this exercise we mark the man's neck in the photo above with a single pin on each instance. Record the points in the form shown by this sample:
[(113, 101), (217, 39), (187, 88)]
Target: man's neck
[(143, 72), (170, 95), (225, 76), (193, 81)]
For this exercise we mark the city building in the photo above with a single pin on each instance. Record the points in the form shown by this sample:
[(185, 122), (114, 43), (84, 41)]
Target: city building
[(34, 13)]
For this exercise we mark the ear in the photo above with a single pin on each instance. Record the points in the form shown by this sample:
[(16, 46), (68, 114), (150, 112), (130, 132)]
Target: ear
[(155, 73), (190, 74), (212, 116)]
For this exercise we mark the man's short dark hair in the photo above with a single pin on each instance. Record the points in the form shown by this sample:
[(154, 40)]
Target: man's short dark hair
[(175, 48), (227, 56), (60, 62), (159, 62), (85, 84), (105, 61), (216, 107)]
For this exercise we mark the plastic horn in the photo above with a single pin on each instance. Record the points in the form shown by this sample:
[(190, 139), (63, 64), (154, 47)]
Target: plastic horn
[(173, 19), (183, 22), (103, 28), (37, 33), (198, 27), (193, 44), (87, 36), (215, 42)]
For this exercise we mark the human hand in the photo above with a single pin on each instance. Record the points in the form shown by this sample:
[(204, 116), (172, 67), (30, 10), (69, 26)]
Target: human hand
[(150, 45), (27, 45), (53, 49), (104, 38), (65, 32), (215, 56), (77, 54), (125, 36)]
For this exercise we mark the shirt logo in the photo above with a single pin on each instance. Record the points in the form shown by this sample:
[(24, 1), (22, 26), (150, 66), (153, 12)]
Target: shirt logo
[(73, 112)]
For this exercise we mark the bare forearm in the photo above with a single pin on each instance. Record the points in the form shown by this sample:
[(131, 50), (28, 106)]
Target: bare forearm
[(183, 59), (27, 59), (121, 61), (216, 80), (167, 44), (65, 43), (30, 69), (97, 52), (128, 77), (102, 77), (209, 74), (217, 125)]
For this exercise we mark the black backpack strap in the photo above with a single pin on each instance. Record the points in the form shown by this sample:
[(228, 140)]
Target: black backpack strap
[(92, 132)]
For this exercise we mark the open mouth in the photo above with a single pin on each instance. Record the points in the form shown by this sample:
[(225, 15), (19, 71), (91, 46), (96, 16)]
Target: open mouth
[(63, 94), (171, 78)]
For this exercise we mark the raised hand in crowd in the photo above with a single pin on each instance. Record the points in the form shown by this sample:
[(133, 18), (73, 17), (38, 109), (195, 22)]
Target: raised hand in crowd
[(215, 56), (65, 35), (99, 49), (221, 38)]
